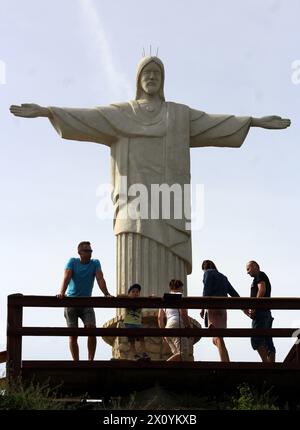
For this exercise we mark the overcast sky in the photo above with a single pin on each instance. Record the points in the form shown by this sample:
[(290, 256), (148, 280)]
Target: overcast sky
[(220, 57)]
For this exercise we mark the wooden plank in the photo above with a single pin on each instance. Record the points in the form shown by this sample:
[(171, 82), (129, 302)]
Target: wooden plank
[(158, 302), (151, 332), (14, 341), (297, 346), (113, 378), (155, 364), (3, 356)]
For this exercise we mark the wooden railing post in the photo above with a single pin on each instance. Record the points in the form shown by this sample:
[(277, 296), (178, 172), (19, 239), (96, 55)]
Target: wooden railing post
[(298, 351), (14, 342)]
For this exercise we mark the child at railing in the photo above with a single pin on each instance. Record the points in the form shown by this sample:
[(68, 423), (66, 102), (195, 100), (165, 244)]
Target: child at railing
[(133, 319)]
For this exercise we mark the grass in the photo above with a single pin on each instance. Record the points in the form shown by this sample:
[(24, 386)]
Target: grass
[(31, 396), (41, 397), (245, 398)]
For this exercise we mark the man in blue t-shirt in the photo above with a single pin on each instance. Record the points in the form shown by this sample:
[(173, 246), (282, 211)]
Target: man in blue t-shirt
[(79, 277)]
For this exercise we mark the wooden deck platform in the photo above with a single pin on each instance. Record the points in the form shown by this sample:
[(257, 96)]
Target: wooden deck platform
[(122, 377)]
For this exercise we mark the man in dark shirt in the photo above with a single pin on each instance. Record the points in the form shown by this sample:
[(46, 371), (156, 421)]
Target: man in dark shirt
[(261, 318)]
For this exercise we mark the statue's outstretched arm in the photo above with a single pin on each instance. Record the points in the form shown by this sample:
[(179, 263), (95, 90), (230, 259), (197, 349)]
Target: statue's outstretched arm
[(272, 122), (30, 110), (72, 123)]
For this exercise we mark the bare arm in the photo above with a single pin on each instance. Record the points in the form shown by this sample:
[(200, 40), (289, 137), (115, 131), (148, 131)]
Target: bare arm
[(161, 318), (261, 289), (101, 282), (65, 283), (30, 110), (185, 318), (231, 291), (260, 293), (271, 122)]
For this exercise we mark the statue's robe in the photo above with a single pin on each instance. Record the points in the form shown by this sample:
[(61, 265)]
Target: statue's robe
[(150, 150)]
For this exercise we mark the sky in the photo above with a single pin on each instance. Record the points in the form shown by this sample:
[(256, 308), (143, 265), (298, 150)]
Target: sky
[(230, 57)]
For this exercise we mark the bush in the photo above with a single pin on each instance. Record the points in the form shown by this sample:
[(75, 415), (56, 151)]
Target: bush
[(252, 399)]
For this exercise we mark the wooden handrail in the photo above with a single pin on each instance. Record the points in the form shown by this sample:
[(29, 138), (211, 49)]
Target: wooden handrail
[(291, 303), (169, 332), (16, 303)]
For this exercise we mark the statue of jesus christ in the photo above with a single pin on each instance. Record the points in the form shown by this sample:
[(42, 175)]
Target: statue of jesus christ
[(150, 141)]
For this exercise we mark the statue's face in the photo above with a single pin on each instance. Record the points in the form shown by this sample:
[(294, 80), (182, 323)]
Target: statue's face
[(151, 78)]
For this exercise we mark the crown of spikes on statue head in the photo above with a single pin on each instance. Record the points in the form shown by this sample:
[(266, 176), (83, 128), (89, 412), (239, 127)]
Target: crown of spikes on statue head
[(150, 52)]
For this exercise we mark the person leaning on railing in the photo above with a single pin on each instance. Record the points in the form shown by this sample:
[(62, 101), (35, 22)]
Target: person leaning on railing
[(133, 319), (79, 277), (261, 318)]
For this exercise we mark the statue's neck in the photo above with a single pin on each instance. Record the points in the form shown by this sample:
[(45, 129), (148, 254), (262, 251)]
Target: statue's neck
[(150, 98)]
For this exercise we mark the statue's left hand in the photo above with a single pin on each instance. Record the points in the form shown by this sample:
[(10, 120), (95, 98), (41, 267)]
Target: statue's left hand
[(272, 122)]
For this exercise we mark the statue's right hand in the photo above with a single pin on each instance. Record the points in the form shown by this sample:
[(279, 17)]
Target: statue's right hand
[(27, 110)]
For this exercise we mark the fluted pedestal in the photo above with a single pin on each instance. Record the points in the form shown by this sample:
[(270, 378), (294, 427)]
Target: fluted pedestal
[(148, 263), (156, 348)]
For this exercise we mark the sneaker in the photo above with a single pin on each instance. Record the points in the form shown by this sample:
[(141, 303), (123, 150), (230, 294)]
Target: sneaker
[(145, 356), (142, 357)]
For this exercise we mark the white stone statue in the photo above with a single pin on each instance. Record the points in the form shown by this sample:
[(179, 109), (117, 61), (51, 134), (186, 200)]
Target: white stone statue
[(150, 142)]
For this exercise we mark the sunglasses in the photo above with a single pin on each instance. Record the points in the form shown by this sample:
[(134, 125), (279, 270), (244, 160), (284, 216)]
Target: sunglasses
[(87, 250)]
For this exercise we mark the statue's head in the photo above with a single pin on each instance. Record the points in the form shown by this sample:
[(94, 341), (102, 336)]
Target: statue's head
[(150, 77)]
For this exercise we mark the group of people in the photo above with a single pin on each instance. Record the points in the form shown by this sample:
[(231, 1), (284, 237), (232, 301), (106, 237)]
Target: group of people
[(79, 277), (217, 284)]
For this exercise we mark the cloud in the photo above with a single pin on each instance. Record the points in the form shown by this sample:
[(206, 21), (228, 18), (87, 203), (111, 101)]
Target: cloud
[(119, 86)]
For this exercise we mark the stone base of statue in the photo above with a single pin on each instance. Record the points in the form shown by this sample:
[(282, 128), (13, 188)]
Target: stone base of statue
[(155, 346)]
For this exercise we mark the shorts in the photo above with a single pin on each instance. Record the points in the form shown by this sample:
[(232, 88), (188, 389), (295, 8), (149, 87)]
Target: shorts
[(263, 319), (87, 316), (178, 345), (132, 339), (217, 318)]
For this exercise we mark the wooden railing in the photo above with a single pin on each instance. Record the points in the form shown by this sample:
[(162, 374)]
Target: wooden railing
[(16, 303), (3, 356)]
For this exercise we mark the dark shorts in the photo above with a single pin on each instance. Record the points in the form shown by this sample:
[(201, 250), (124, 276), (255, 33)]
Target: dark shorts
[(131, 338), (87, 316), (263, 319)]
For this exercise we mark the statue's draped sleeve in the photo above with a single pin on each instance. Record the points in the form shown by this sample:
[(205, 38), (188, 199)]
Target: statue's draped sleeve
[(217, 130), (83, 124)]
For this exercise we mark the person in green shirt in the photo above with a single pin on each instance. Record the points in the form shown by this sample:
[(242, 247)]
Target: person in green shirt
[(133, 319)]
